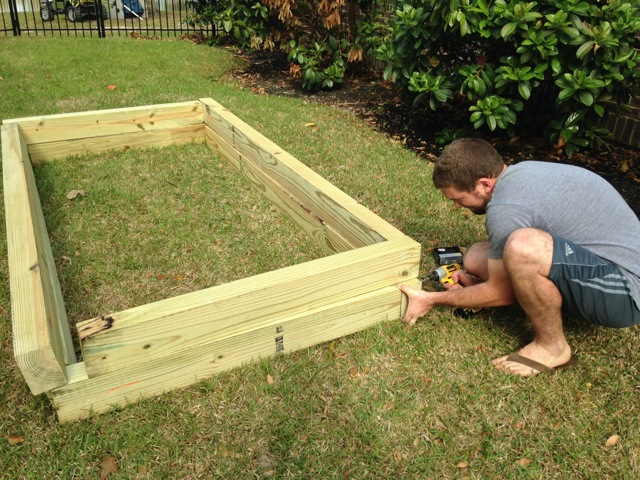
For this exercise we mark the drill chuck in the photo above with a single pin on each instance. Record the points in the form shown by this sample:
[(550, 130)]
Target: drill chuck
[(443, 274)]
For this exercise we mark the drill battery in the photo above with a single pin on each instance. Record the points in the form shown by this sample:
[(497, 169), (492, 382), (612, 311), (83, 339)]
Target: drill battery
[(447, 255)]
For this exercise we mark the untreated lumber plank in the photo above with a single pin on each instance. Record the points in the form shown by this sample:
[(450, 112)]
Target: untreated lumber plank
[(313, 192), (41, 337), (100, 123), (165, 328), (189, 365), (321, 233), (124, 141)]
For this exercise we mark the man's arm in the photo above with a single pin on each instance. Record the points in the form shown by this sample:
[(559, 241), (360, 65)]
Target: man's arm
[(496, 291)]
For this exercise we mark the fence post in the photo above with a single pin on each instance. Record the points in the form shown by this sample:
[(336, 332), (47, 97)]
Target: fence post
[(13, 13), (100, 19)]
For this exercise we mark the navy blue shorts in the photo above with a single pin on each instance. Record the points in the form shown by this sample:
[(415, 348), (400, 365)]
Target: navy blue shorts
[(592, 287)]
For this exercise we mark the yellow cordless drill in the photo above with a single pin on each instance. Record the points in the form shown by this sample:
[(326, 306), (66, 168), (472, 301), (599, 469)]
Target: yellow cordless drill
[(444, 274)]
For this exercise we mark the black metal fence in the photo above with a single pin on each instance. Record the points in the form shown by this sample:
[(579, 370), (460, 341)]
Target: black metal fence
[(101, 18)]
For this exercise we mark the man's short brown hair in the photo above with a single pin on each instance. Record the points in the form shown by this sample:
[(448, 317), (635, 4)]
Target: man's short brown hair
[(464, 161)]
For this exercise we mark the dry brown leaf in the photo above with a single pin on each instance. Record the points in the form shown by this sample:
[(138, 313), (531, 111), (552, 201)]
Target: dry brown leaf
[(294, 70), (524, 462), (612, 440), (75, 193), (560, 143), (269, 379), (462, 465), (355, 55), (14, 439), (109, 466), (353, 373), (624, 166), (398, 455)]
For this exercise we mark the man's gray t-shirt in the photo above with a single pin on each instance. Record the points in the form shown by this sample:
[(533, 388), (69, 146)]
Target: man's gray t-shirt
[(569, 202)]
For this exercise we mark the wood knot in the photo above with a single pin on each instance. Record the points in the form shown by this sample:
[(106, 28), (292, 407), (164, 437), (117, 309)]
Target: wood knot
[(95, 326)]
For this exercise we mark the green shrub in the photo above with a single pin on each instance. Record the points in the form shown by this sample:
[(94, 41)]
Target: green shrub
[(323, 38), (246, 23), (551, 67)]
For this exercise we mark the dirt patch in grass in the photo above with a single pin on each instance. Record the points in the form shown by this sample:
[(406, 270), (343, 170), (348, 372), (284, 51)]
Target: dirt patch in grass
[(379, 104)]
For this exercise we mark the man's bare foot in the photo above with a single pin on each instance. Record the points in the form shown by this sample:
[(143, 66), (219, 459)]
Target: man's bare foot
[(532, 360)]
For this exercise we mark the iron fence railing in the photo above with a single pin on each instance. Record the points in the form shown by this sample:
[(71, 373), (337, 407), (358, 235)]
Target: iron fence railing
[(158, 18)]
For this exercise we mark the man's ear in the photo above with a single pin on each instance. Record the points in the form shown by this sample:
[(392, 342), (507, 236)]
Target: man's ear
[(486, 184)]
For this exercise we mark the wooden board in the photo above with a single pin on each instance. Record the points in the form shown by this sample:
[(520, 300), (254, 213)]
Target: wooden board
[(164, 328), (41, 338), (310, 190), (103, 123), (187, 366), (84, 146), (325, 236)]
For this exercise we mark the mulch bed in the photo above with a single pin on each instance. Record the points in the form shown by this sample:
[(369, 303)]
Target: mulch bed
[(377, 102)]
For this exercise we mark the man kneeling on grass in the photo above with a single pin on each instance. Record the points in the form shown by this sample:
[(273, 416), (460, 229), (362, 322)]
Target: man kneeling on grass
[(560, 237)]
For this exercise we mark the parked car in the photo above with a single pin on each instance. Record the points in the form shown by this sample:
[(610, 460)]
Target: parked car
[(74, 10)]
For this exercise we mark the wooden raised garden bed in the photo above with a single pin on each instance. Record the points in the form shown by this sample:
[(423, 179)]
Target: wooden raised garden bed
[(153, 348)]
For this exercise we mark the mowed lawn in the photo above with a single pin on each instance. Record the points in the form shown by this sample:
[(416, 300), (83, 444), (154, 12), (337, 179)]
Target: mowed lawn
[(388, 402)]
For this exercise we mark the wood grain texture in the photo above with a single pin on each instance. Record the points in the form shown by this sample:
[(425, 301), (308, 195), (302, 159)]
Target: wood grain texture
[(103, 123), (124, 141), (41, 339)]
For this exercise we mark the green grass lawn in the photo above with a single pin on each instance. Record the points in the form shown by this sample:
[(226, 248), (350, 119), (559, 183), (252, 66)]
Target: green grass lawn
[(389, 402)]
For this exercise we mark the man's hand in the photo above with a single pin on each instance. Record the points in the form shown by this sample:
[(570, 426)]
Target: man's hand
[(461, 279), (419, 303)]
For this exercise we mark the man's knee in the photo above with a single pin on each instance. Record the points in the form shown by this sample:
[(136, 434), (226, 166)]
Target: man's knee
[(476, 258), (528, 245)]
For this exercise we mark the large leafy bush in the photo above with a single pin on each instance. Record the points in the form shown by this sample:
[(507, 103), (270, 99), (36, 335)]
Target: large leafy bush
[(547, 67)]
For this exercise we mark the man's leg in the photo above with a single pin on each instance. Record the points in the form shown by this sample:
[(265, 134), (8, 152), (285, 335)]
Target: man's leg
[(476, 264), (527, 258)]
